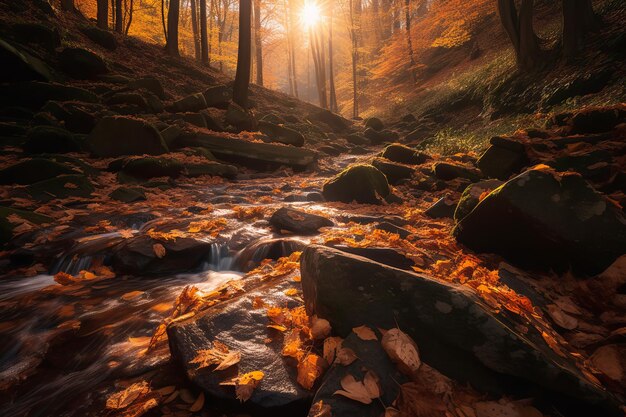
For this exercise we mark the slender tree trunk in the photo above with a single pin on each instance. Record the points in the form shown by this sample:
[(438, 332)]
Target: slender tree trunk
[(68, 5), (131, 9), (288, 28), (519, 28), (194, 29), (578, 20), (103, 14), (119, 16), (320, 67), (355, 60), (407, 18), (242, 76), (331, 75), (291, 39), (172, 28), (163, 20), (204, 46), (257, 42)]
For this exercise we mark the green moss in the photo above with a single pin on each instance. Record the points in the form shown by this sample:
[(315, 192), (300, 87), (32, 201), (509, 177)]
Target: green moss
[(361, 183)]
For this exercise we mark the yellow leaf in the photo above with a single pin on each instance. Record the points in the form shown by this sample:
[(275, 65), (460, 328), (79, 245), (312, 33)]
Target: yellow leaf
[(291, 292), (159, 250), (245, 384), (131, 295), (127, 396), (310, 369), (232, 358), (331, 345), (365, 333), (219, 355), (402, 350)]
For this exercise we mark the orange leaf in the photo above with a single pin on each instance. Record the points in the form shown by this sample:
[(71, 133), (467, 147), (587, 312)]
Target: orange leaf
[(365, 333)]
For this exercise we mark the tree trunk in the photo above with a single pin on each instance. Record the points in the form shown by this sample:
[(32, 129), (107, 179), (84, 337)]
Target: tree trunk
[(257, 42), (68, 5), (204, 45), (242, 76), (131, 8), (320, 67), (119, 16), (103, 14), (194, 29), (519, 28), (407, 18), (172, 28), (331, 75), (578, 20), (291, 41), (355, 59), (163, 20)]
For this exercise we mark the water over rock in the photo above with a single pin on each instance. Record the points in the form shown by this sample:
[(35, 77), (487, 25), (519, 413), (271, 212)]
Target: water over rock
[(298, 222)]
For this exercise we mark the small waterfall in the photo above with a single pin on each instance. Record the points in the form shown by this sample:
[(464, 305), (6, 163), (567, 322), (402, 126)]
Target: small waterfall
[(85, 252), (220, 258)]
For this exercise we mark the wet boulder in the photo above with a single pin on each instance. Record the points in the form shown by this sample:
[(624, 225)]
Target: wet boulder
[(361, 183), (448, 171), (457, 333), (211, 168), (505, 157), (387, 256), (545, 220), (241, 327), (21, 66), (8, 223), (139, 256), (404, 155), (394, 172), (281, 134), (82, 64), (298, 222), (121, 135), (374, 123), (251, 256), (33, 170), (50, 139), (62, 186), (101, 37), (472, 195)]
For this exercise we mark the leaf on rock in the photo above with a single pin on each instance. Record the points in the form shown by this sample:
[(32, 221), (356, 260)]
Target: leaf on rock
[(219, 355), (319, 409), (402, 350), (331, 344), (320, 328), (245, 384), (417, 400), (126, 397), (606, 359), (345, 356), (372, 385), (159, 250), (365, 333), (310, 369), (355, 390)]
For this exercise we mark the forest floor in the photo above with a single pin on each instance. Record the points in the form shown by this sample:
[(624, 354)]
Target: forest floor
[(228, 270)]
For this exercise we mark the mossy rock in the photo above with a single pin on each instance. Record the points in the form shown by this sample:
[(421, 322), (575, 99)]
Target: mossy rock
[(121, 135), (50, 139), (150, 84), (101, 37), (281, 134), (361, 183), (447, 171), (6, 226), (471, 197), (82, 64), (191, 103), (393, 171), (405, 155), (128, 194), (152, 167), (374, 123), (63, 186), (217, 96), (33, 95), (21, 66), (212, 169), (32, 171)]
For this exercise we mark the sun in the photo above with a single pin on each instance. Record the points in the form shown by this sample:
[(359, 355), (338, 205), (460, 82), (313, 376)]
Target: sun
[(310, 15)]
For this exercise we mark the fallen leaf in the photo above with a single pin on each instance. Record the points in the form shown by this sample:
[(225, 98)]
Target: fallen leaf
[(291, 292), (372, 385), (159, 250), (331, 344), (232, 358), (345, 356), (416, 400), (198, 404), (365, 333), (606, 359), (245, 384), (310, 369), (219, 355), (355, 390), (126, 397), (402, 350), (319, 409), (320, 328), (131, 295), (64, 278)]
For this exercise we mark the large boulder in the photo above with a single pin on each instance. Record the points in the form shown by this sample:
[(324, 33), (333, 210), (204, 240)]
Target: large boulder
[(145, 168), (505, 157), (298, 222), (337, 123), (150, 84), (138, 256), (8, 221), (240, 118), (253, 254), (457, 333), (49, 139), (403, 154), (472, 195), (192, 103), (596, 120), (33, 95), (63, 186), (21, 66), (102, 37), (253, 154), (281, 134), (120, 135), (374, 123), (33, 170), (39, 34), (217, 96), (543, 219), (361, 183), (448, 171), (243, 328), (394, 172), (82, 64)]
